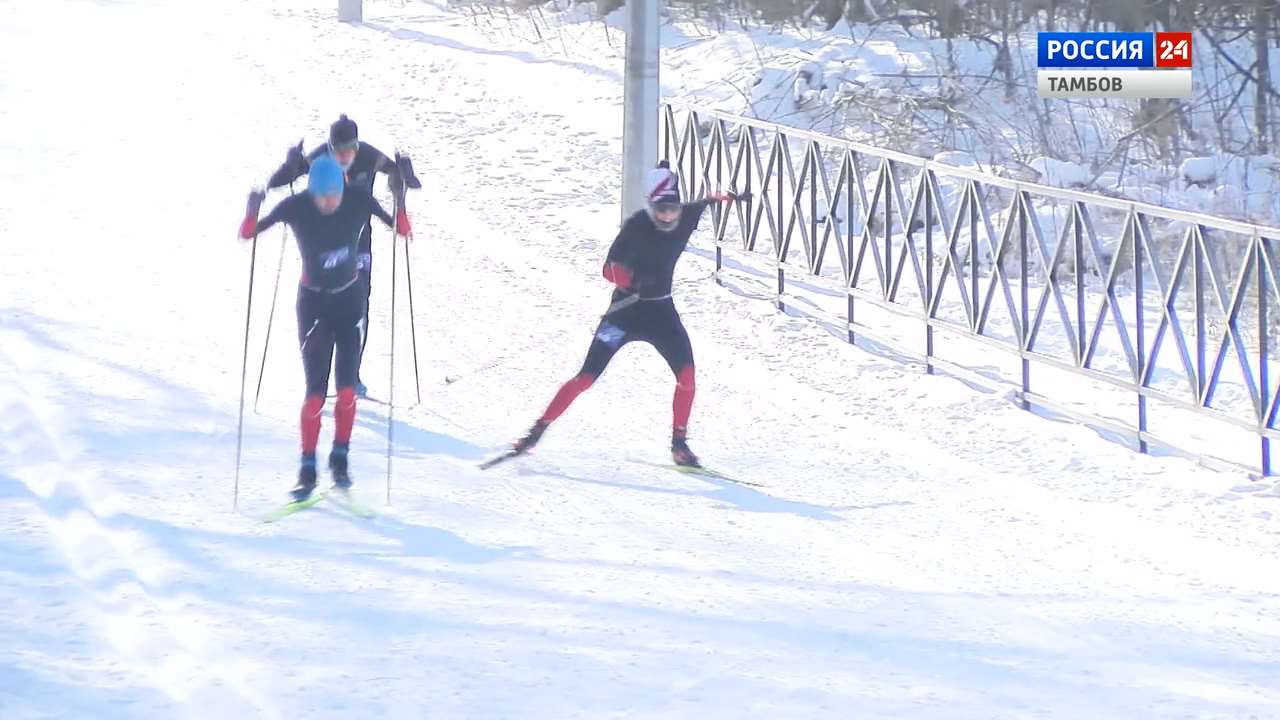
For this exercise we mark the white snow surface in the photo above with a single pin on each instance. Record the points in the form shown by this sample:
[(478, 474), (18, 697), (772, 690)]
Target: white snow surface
[(1060, 173), (921, 550)]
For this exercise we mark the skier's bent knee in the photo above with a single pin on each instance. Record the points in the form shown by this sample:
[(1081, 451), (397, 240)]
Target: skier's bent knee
[(685, 377), (576, 385), (347, 396)]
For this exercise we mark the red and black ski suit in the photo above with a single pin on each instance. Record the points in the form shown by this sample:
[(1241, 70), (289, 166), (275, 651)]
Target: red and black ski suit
[(640, 264), (331, 300), (369, 161)]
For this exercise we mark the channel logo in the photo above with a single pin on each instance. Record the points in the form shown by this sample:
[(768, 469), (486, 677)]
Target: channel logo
[(1114, 64)]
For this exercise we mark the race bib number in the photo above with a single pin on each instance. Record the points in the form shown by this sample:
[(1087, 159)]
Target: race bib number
[(611, 335), (335, 258)]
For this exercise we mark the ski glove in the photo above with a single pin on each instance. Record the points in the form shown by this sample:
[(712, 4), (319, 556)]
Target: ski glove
[(618, 274), (729, 196), (296, 162), (249, 227), (402, 222), (405, 165)]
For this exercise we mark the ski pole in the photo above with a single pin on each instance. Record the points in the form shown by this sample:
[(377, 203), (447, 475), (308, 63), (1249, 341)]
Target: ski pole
[(451, 379), (492, 363), (244, 372), (391, 390), (626, 302), (413, 320), (271, 316), (398, 197)]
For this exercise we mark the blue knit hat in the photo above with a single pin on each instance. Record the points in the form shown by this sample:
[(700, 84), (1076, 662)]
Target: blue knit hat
[(326, 177)]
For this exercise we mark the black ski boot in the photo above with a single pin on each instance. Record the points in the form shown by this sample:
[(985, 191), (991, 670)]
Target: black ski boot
[(531, 438), (306, 479), (680, 453), (338, 467), (519, 447)]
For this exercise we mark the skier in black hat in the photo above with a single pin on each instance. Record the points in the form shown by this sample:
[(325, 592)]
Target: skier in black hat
[(361, 162)]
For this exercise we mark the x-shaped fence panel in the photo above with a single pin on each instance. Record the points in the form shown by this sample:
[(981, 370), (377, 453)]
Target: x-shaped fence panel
[(1171, 306)]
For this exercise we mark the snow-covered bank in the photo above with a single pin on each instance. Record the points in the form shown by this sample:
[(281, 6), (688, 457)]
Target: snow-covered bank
[(903, 89)]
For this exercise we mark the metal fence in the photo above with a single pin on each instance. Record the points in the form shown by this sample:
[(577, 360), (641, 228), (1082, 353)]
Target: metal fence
[(1173, 310)]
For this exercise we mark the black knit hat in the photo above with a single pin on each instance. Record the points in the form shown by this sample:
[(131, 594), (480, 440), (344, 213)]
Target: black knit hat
[(343, 132)]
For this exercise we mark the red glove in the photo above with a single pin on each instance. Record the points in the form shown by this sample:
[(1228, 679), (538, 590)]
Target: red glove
[(249, 226), (618, 274), (402, 222)]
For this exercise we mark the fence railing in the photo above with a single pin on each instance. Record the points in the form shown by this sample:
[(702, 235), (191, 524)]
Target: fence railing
[(1176, 311)]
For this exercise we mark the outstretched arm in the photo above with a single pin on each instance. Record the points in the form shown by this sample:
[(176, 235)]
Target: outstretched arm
[(251, 225), (295, 166), (383, 164), (726, 197), (278, 213)]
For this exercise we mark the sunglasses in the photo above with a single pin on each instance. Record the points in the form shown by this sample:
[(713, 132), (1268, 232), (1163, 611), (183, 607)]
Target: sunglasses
[(346, 151)]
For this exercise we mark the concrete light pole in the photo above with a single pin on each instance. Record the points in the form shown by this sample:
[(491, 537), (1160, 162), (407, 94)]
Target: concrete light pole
[(351, 10), (639, 102)]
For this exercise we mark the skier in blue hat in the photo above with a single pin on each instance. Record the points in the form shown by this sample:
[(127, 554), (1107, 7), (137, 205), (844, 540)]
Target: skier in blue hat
[(327, 220)]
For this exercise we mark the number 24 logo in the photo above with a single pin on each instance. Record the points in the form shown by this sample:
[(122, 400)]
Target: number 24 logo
[(1170, 50)]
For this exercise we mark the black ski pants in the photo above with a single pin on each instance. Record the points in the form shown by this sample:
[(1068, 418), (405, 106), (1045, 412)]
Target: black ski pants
[(330, 335), (653, 321)]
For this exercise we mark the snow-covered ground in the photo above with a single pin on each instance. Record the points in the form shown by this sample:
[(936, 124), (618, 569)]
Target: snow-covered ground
[(921, 550)]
